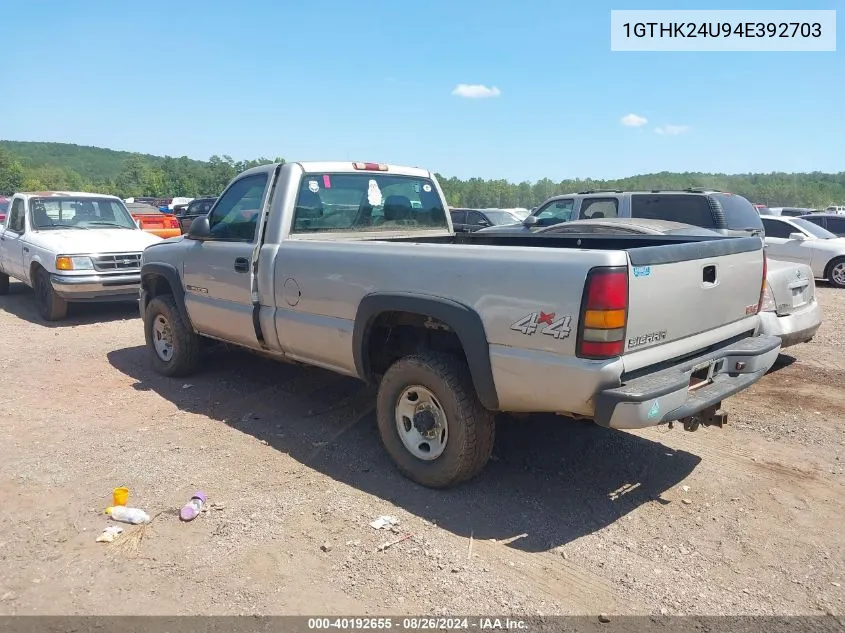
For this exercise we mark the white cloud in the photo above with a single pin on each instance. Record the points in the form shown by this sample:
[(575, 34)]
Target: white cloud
[(475, 91), (633, 120), (672, 130)]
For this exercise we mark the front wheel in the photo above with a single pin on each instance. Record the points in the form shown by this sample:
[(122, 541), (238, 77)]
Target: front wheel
[(174, 346), (51, 306), (431, 421), (836, 276)]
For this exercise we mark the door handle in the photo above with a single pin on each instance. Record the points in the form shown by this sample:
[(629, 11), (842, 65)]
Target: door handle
[(25, 249), (241, 265)]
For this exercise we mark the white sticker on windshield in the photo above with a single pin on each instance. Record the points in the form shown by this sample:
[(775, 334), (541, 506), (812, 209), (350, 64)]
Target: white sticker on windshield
[(374, 194), (427, 188), (313, 187)]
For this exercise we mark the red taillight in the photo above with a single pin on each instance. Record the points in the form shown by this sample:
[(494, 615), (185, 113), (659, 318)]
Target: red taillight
[(369, 166), (763, 285), (173, 223), (604, 314)]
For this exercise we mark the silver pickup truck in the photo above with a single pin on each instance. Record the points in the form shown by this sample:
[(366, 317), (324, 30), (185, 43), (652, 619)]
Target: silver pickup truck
[(354, 267)]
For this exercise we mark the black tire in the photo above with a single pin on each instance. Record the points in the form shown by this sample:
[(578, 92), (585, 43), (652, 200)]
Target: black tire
[(184, 356), (837, 281), (4, 284), (471, 427), (51, 306)]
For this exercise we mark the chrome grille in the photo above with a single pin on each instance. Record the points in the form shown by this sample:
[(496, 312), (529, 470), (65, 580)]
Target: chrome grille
[(117, 261)]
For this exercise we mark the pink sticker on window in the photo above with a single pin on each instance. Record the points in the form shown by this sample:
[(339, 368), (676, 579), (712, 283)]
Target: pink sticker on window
[(327, 183)]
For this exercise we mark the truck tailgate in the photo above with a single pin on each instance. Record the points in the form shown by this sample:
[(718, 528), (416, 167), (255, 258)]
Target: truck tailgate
[(680, 290)]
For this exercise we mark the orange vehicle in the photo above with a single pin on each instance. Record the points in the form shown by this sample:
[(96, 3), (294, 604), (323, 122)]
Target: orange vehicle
[(154, 221)]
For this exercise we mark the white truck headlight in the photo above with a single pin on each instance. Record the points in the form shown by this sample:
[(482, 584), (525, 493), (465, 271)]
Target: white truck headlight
[(69, 262)]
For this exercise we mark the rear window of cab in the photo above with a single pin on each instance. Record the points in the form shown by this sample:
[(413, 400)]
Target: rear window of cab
[(367, 202)]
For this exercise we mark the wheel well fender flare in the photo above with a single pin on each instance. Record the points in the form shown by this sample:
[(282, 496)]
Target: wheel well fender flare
[(464, 321)]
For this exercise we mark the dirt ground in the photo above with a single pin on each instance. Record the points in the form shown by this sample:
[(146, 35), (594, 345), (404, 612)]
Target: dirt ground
[(569, 518)]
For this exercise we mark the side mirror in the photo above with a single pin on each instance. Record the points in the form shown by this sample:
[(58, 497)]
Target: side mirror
[(483, 223), (798, 237), (200, 229), (530, 221)]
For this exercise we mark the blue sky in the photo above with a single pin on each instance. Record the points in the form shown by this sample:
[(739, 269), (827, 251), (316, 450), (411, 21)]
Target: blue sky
[(374, 81)]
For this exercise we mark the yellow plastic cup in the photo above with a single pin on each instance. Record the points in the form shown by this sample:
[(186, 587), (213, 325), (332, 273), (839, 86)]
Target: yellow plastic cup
[(121, 496)]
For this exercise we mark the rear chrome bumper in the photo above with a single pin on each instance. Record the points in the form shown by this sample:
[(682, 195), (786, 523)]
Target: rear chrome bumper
[(665, 395), (123, 287), (798, 327)]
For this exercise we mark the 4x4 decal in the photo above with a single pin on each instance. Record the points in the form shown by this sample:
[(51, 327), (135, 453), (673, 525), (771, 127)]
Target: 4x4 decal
[(560, 327)]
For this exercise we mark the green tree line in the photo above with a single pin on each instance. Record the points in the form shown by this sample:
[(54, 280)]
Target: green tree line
[(50, 166)]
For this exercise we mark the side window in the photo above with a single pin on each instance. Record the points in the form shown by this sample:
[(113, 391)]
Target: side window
[(477, 219), (459, 217), (16, 221), (593, 208), (774, 228), (836, 225), (557, 211), (687, 209), (235, 216)]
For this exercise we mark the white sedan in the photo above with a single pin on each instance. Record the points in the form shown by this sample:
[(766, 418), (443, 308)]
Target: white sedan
[(796, 240)]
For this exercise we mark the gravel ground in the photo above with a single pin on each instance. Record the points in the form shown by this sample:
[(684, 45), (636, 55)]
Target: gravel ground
[(568, 518)]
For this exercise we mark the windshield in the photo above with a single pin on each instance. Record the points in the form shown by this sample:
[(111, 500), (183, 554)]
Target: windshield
[(373, 201), (740, 215), (813, 229), (82, 213), (498, 218)]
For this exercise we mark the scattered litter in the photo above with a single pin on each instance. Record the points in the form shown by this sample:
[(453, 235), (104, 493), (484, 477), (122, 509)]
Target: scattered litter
[(686, 501), (191, 510), (664, 611), (318, 444), (603, 618), (456, 570), (565, 555), (836, 584), (354, 543), (385, 546), (265, 442), (685, 488), (734, 498), (128, 515), (120, 496), (109, 534), (326, 547), (186, 386), (469, 551), (246, 418), (384, 521)]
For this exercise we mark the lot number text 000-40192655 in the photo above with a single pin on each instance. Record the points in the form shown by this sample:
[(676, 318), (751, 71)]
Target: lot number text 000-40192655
[(723, 30)]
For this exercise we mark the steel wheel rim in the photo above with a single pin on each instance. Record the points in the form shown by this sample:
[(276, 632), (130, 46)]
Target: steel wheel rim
[(162, 338), (838, 273), (421, 423)]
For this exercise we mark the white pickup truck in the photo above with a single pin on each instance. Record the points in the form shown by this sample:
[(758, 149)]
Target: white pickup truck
[(71, 246)]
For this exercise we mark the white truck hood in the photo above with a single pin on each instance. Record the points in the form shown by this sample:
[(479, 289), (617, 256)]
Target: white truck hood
[(75, 241)]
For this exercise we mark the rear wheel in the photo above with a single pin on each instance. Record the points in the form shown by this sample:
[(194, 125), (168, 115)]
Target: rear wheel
[(836, 272), (174, 346), (51, 306), (431, 421)]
